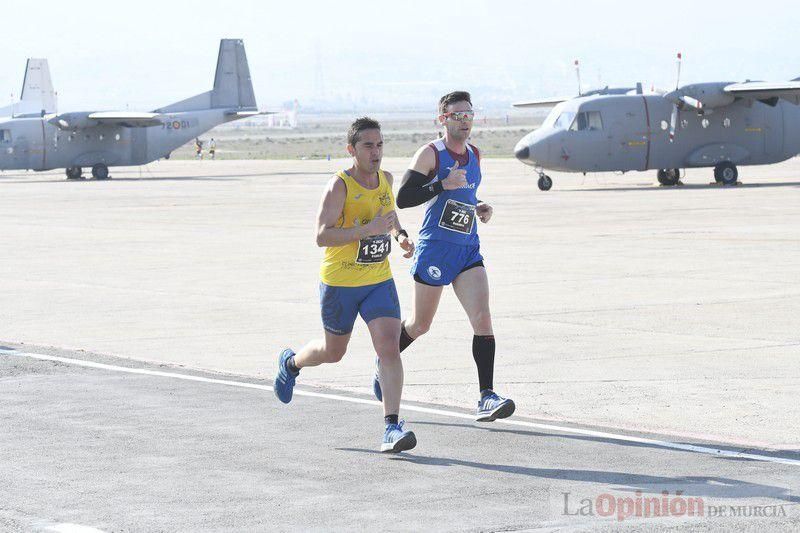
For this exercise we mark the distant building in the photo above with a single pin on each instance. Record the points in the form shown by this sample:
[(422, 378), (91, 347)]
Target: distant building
[(286, 118)]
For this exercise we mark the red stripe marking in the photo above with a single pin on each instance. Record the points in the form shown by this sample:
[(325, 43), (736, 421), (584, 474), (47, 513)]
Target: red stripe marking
[(435, 153)]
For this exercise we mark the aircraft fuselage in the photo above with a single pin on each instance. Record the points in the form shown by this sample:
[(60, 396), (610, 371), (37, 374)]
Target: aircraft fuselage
[(36, 144), (631, 132)]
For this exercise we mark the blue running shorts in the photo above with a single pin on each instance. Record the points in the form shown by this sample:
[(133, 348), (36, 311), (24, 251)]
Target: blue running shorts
[(341, 305), (440, 262)]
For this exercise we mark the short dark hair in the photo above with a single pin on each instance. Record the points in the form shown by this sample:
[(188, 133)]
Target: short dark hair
[(359, 125), (452, 98)]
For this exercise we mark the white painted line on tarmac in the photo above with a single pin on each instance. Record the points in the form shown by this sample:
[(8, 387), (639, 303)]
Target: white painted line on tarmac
[(71, 528), (418, 409)]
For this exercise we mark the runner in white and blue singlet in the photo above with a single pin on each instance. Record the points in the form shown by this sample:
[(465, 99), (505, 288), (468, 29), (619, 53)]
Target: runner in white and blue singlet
[(445, 175), (449, 233)]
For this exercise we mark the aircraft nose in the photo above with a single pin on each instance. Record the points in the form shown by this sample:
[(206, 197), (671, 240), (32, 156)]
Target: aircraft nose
[(533, 149), (522, 152)]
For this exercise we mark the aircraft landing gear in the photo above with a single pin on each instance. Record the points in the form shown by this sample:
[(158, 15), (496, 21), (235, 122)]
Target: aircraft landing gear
[(544, 182), (726, 173), (669, 176), (100, 171), (74, 173)]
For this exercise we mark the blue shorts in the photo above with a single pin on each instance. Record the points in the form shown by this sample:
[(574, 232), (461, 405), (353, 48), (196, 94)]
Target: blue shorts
[(440, 262), (341, 305)]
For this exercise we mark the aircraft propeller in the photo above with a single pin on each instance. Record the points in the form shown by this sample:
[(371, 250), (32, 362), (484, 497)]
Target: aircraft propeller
[(680, 101), (673, 119)]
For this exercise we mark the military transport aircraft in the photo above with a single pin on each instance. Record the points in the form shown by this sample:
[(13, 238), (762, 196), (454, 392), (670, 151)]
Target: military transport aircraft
[(717, 124), (101, 139), (37, 97)]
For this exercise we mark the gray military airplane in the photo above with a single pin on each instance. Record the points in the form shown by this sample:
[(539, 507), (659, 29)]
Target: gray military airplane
[(114, 138), (37, 97), (718, 124)]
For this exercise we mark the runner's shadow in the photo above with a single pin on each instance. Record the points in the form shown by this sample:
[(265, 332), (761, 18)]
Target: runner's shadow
[(691, 486), (150, 176), (113, 180), (785, 454), (686, 186)]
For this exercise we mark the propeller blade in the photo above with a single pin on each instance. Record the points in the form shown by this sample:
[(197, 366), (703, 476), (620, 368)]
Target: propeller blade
[(673, 122), (692, 102)]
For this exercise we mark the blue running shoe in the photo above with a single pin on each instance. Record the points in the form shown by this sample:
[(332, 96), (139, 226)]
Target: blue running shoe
[(491, 407), (284, 381), (376, 381), (396, 439)]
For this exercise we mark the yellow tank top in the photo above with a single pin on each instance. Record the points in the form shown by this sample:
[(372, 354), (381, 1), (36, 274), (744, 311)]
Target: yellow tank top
[(363, 262)]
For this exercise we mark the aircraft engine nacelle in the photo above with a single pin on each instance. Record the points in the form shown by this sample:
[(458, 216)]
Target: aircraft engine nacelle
[(71, 121), (711, 95)]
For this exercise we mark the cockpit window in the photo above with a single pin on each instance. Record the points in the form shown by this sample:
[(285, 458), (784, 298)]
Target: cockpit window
[(553, 115), (564, 120), (5, 136), (588, 121)]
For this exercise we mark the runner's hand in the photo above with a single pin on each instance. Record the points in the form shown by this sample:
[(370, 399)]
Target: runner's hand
[(381, 224), (407, 245), (484, 211), (391, 216), (457, 178)]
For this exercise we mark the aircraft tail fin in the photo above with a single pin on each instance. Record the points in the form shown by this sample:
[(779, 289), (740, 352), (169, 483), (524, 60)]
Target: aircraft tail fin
[(38, 97), (37, 88), (233, 88)]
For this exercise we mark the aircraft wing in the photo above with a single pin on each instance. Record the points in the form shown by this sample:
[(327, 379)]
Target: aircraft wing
[(544, 102), (760, 90), (128, 119), (242, 114)]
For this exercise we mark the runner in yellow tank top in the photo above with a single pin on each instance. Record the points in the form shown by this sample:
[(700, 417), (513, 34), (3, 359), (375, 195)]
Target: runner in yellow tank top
[(358, 263), (354, 223)]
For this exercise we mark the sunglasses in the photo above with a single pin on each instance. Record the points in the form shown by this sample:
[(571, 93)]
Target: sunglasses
[(461, 116)]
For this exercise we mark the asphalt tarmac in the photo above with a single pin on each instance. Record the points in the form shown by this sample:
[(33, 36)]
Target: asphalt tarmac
[(126, 446)]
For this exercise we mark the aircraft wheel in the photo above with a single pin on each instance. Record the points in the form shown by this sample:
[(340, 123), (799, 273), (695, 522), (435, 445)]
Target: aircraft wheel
[(545, 182), (100, 171), (727, 173), (669, 177), (74, 173)]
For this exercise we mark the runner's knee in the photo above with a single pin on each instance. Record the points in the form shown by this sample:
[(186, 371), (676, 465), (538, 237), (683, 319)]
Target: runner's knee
[(482, 322), (388, 353), (418, 327), (386, 345), (334, 354)]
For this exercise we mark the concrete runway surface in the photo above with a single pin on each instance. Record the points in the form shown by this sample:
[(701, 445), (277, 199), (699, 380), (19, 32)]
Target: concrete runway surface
[(619, 306), (138, 447)]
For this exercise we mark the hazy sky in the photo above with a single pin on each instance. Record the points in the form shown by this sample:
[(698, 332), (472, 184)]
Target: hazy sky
[(147, 54)]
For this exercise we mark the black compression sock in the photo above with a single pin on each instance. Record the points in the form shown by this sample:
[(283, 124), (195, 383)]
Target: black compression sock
[(290, 365), (405, 339), (390, 419), (483, 352)]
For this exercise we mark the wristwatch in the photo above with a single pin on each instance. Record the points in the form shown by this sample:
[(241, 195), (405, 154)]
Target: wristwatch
[(402, 232)]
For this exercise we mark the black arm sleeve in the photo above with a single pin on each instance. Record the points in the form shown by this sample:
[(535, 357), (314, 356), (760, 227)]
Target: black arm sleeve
[(414, 191)]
